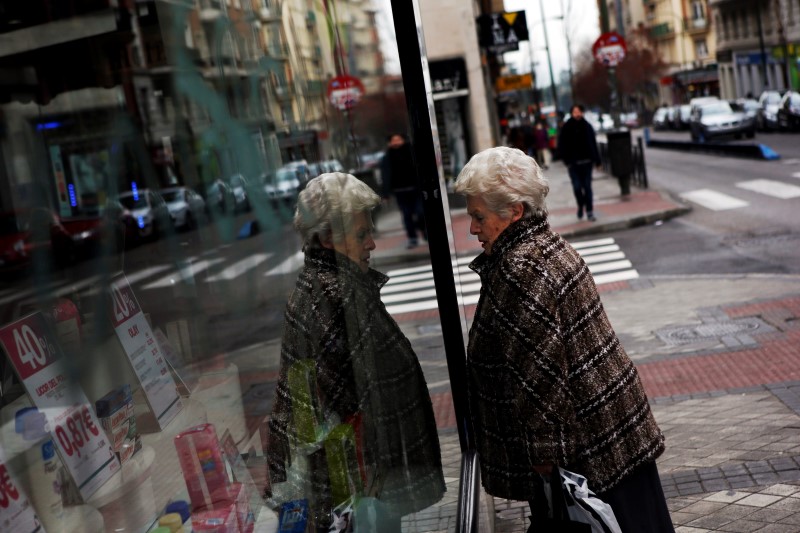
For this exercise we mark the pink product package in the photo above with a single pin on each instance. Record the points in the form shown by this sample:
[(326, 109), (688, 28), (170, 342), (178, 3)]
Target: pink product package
[(200, 457), (220, 520), (244, 515)]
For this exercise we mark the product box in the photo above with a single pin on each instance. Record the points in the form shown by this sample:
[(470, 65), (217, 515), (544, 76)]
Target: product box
[(244, 514), (294, 517), (200, 457), (219, 520), (117, 417)]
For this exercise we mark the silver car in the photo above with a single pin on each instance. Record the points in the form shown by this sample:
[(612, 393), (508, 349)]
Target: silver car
[(769, 101), (186, 207), (718, 119), (285, 185)]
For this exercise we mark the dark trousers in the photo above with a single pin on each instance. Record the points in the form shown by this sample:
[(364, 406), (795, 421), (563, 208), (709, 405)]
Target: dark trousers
[(410, 205), (638, 502), (581, 176)]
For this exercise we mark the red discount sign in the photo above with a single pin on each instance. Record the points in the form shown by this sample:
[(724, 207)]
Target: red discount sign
[(610, 49), (28, 345), (344, 92)]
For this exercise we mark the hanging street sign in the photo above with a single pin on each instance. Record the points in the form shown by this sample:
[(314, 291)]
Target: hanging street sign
[(514, 83), (502, 32), (610, 49), (345, 91)]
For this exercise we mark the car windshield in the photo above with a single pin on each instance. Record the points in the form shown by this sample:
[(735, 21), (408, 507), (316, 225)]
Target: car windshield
[(131, 202), (285, 175), (172, 196), (719, 108), (773, 98)]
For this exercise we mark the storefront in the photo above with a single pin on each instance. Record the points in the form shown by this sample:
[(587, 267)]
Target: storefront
[(176, 378)]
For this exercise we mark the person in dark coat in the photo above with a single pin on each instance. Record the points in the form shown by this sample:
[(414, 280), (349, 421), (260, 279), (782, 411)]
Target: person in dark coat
[(578, 148), (548, 381), (399, 178), (541, 142), (363, 369)]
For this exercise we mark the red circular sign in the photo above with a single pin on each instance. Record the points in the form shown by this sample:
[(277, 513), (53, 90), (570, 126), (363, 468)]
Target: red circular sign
[(344, 92), (610, 49)]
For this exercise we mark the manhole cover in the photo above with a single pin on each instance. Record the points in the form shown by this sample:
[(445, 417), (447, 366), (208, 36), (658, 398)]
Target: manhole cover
[(713, 330)]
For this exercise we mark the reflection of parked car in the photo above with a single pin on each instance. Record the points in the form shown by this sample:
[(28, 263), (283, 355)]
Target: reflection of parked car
[(717, 119), (333, 165), (789, 111), (148, 211), (629, 120), (239, 189), (681, 116), (40, 231), (660, 119), (768, 114), (285, 186), (370, 160), (186, 207), (219, 198)]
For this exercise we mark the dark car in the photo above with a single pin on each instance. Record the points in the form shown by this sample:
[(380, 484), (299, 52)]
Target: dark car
[(682, 114), (768, 114), (789, 111), (661, 118), (718, 119)]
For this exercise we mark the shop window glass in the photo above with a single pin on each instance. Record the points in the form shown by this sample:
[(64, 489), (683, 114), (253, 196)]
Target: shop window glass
[(177, 335)]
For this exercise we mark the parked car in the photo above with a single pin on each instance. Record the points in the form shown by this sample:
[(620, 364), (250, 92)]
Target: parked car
[(239, 189), (334, 165), (285, 185), (660, 119), (303, 173), (148, 210), (789, 111), (717, 119), (629, 120), (370, 160), (681, 116), (768, 114), (219, 198), (186, 207), (748, 106)]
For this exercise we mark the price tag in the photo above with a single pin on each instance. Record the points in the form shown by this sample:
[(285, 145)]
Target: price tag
[(16, 512), (84, 449), (144, 353)]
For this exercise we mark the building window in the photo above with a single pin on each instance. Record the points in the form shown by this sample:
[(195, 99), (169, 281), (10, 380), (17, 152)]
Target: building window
[(700, 49), (698, 9)]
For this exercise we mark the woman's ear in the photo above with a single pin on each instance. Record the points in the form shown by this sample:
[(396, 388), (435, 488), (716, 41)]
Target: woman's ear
[(517, 210)]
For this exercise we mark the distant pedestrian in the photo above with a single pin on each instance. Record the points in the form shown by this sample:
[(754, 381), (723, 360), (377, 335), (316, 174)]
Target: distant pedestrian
[(541, 142), (578, 148), (400, 179)]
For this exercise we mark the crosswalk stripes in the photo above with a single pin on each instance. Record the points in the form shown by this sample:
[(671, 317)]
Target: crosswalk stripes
[(412, 289), (776, 189), (718, 201), (714, 200)]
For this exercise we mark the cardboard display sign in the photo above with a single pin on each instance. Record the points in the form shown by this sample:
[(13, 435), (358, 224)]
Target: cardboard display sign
[(144, 353), (39, 362), (16, 512)]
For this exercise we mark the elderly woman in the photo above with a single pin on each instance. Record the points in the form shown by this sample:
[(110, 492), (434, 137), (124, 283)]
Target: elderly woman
[(365, 372), (549, 382)]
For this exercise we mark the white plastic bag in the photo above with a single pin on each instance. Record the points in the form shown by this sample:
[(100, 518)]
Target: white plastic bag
[(584, 506)]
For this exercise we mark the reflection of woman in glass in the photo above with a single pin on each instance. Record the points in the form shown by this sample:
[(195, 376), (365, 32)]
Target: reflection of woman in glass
[(362, 370)]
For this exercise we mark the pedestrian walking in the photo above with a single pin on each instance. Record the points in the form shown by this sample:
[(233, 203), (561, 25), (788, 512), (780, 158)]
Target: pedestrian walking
[(365, 372), (548, 382), (400, 179), (578, 148), (541, 142)]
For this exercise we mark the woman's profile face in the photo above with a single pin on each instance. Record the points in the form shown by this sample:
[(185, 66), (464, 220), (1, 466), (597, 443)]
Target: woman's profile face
[(486, 224), (358, 242)]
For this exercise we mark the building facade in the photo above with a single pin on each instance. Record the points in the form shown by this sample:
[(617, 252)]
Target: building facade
[(758, 46)]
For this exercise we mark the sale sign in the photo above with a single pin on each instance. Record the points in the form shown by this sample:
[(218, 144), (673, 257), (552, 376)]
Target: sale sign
[(16, 513), (610, 49), (345, 91), (36, 357), (144, 353)]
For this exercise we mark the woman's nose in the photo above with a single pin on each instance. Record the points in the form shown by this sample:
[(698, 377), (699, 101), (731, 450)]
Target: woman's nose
[(473, 228)]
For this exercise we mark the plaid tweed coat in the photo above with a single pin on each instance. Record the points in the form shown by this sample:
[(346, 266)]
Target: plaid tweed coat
[(549, 382), (365, 366)]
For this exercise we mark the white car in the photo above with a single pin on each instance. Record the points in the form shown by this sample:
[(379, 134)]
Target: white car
[(186, 207), (285, 185), (147, 210), (239, 186)]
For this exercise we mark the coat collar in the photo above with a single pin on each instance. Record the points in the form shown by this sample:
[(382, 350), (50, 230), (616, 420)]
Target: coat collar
[(343, 267), (520, 231)]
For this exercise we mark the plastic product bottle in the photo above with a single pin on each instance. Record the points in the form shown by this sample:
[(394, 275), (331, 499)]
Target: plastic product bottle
[(38, 473)]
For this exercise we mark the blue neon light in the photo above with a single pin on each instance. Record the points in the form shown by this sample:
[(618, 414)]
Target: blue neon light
[(48, 126), (135, 190), (72, 200), (140, 221)]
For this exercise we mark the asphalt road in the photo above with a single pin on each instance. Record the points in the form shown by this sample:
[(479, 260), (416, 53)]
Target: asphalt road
[(760, 234)]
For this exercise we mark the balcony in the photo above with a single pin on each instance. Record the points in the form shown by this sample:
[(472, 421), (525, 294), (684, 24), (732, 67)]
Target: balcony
[(211, 10), (315, 87), (696, 25), (269, 14), (662, 31)]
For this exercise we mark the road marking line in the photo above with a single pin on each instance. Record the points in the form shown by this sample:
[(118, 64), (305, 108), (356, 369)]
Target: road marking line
[(796, 174), (146, 273), (776, 189), (599, 250), (792, 161), (600, 258), (424, 283), (187, 273), (615, 276), (608, 267), (239, 268), (716, 201), (590, 244), (288, 265)]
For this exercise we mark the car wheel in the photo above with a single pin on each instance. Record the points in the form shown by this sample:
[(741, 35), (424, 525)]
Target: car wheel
[(191, 223)]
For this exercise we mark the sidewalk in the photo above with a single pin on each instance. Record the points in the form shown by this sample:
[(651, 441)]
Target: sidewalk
[(719, 356)]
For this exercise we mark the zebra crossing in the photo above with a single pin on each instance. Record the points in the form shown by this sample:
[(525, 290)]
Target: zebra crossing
[(412, 289), (718, 201)]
